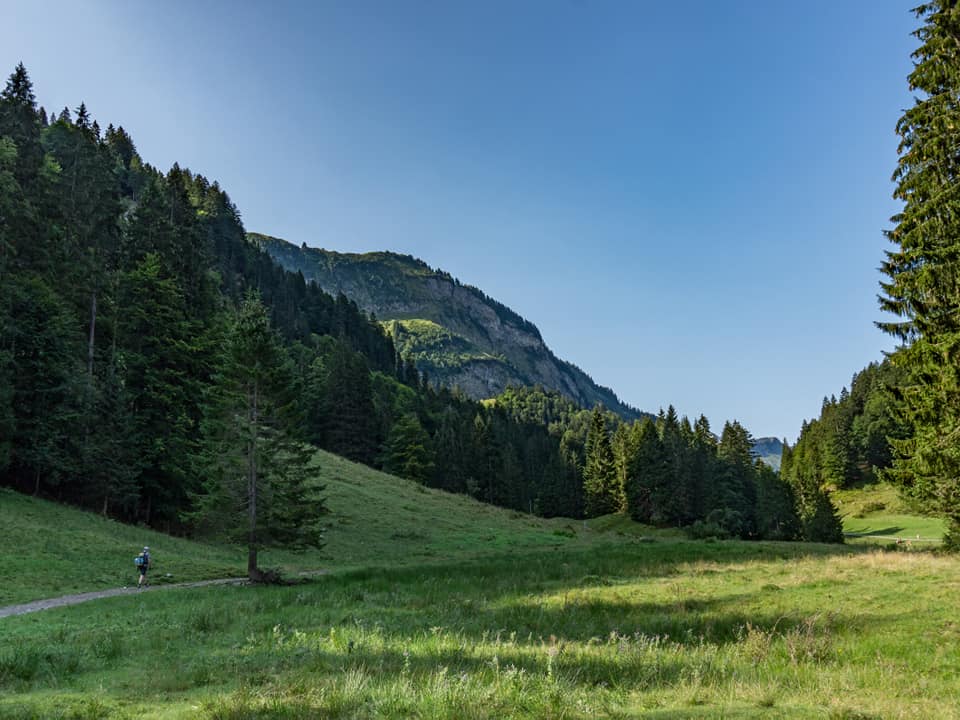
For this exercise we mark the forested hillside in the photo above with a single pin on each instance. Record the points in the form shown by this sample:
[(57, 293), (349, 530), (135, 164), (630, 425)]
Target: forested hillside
[(158, 366), (665, 470), (850, 443), (120, 288), (455, 333)]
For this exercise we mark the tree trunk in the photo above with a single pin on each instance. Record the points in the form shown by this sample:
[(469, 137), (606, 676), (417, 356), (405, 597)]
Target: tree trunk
[(93, 329), (36, 485), (253, 572)]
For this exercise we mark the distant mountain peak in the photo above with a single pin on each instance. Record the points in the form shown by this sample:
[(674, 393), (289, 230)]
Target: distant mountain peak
[(770, 450)]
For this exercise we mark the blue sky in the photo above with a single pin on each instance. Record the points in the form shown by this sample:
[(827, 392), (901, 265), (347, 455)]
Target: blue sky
[(687, 199)]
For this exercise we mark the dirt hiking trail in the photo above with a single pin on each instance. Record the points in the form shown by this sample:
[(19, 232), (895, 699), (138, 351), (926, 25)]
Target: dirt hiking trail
[(37, 605), (63, 601)]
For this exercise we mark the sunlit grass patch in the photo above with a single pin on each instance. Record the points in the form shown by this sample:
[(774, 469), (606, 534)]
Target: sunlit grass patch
[(875, 514), (617, 630)]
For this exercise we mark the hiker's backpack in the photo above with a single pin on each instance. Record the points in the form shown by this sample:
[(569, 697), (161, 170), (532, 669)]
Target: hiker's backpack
[(140, 560)]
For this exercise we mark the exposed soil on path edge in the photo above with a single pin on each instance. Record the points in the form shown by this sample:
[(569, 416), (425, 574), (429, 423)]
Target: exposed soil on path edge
[(63, 601)]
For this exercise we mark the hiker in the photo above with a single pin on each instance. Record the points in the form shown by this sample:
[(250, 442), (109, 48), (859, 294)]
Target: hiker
[(142, 561)]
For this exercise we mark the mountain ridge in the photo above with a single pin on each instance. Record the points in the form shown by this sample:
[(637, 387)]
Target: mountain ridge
[(429, 311)]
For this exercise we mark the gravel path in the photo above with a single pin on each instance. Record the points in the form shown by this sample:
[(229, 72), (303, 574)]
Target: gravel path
[(37, 605)]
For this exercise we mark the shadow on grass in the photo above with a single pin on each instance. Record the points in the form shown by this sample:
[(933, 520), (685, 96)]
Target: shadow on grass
[(881, 531), (687, 623), (729, 713), (629, 560), (636, 662)]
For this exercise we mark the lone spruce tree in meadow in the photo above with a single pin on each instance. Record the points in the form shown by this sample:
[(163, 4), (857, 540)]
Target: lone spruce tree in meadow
[(923, 275), (258, 485)]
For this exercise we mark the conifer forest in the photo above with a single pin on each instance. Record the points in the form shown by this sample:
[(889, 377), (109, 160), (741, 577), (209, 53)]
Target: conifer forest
[(151, 354)]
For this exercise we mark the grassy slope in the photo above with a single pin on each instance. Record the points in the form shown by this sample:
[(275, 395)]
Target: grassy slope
[(48, 550), (376, 519), (433, 346), (877, 514), (443, 608)]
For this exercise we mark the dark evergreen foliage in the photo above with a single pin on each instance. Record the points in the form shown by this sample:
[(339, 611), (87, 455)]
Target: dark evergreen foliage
[(851, 443), (255, 470), (923, 276), (156, 365), (602, 496)]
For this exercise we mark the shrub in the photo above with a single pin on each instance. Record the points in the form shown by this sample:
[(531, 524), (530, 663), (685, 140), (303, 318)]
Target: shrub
[(702, 530)]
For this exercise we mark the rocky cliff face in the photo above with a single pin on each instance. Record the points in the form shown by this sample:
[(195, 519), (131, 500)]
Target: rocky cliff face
[(454, 332)]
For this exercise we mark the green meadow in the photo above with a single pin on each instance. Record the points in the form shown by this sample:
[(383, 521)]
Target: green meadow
[(435, 606), (874, 514)]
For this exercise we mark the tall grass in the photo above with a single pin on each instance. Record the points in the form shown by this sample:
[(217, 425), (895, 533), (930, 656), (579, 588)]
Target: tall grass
[(440, 607), (662, 629)]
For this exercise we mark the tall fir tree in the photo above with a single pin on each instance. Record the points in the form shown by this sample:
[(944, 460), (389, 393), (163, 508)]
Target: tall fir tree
[(258, 486), (735, 487), (923, 274), (776, 508), (674, 505), (648, 474), (449, 442), (408, 451), (157, 348), (342, 416), (601, 494)]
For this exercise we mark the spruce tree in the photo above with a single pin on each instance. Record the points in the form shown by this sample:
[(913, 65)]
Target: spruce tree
[(258, 485), (648, 474), (923, 274), (448, 442), (703, 465), (42, 347), (408, 451), (83, 117), (20, 123), (343, 418), (776, 508), (822, 523), (674, 503), (157, 350), (735, 482), (599, 473)]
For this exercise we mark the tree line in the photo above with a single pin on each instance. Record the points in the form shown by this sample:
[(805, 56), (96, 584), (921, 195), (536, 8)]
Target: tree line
[(664, 470), (850, 443), (157, 366)]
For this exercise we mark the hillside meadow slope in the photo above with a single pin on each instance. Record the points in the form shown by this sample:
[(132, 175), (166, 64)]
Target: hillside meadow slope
[(47, 549), (439, 607)]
